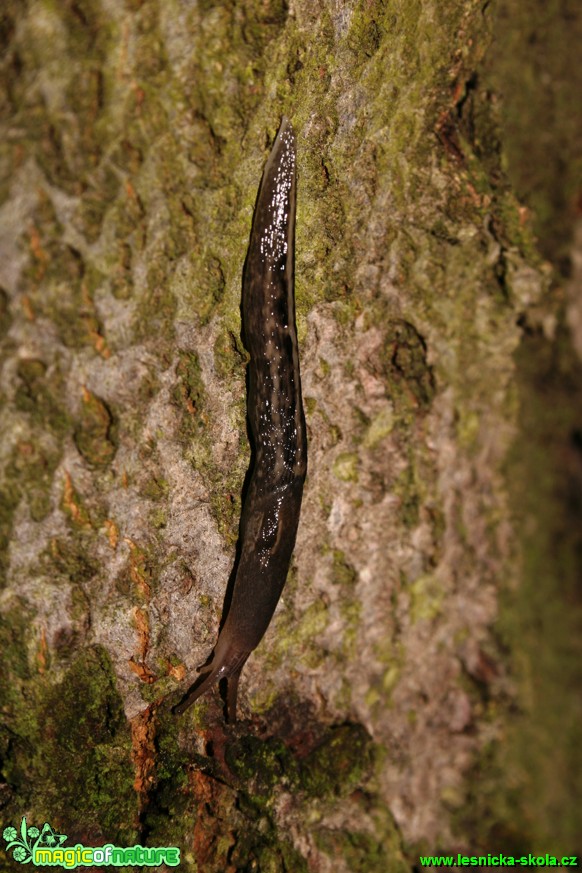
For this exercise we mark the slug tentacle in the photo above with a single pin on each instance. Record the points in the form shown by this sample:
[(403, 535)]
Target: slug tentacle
[(272, 504)]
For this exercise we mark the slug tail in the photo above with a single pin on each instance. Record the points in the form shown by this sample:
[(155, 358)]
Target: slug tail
[(232, 692), (226, 663), (198, 689)]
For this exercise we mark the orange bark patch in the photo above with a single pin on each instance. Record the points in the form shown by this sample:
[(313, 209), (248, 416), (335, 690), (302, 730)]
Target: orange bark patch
[(42, 653), (143, 749), (72, 504), (176, 671), (138, 569), (27, 307), (142, 672), (142, 624), (92, 324), (212, 842), (112, 533), (39, 254)]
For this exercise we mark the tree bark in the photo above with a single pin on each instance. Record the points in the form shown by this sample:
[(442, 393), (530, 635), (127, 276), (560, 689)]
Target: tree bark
[(418, 691)]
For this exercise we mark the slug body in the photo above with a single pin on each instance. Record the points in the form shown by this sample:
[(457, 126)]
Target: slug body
[(271, 509)]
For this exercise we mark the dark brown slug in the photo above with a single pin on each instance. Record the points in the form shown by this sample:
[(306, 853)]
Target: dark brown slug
[(277, 424)]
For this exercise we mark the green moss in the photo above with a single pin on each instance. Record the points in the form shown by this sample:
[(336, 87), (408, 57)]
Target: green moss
[(5, 317), (333, 436), (406, 488), (265, 851), (310, 406), (365, 32), (409, 375), (351, 613), (229, 354), (157, 306), (426, 598), (71, 558), (343, 573), (79, 607), (40, 393), (69, 755), (127, 217), (189, 396), (95, 203), (28, 475), (153, 692), (63, 283), (94, 434), (258, 768), (468, 427), (88, 30), (183, 237), (339, 764), (156, 488), (14, 623), (526, 794), (380, 427), (528, 67), (141, 573), (325, 367), (52, 156), (265, 763), (151, 59), (225, 495), (30, 468), (189, 393), (84, 716), (9, 499), (372, 851), (299, 636), (169, 813), (345, 467), (516, 226)]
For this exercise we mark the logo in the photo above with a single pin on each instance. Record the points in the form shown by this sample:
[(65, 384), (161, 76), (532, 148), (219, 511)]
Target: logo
[(46, 848)]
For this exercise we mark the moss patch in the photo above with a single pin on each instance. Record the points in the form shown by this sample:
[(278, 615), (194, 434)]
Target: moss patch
[(339, 764), (94, 433), (68, 557), (189, 394), (529, 68), (409, 376), (40, 393), (5, 317), (526, 794), (66, 756), (372, 851)]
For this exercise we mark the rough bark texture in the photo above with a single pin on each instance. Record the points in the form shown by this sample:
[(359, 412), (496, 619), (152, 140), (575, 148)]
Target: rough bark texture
[(419, 688)]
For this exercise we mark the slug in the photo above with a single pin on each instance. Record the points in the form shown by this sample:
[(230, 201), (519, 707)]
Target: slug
[(271, 509)]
